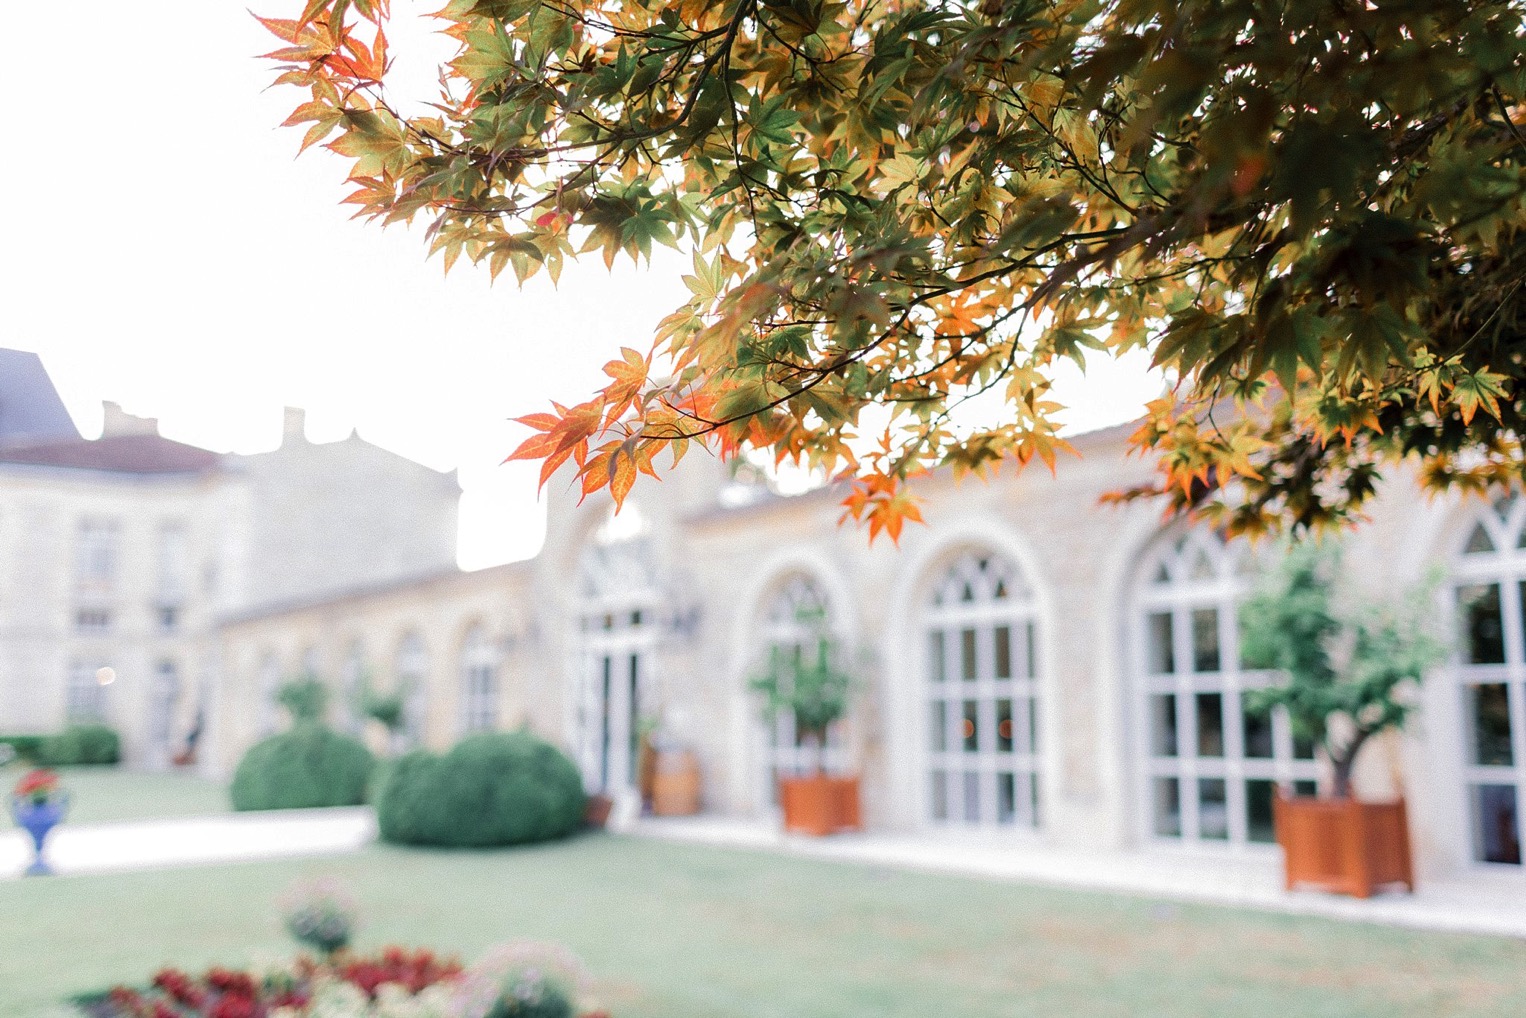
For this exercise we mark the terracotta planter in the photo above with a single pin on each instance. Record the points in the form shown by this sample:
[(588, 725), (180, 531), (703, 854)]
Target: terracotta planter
[(820, 804), (1343, 845), (675, 784), (596, 810)]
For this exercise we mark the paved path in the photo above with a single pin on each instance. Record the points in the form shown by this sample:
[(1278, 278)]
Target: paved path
[(1478, 903), (154, 844)]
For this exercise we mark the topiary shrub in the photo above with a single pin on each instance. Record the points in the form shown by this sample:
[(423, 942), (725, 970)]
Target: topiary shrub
[(81, 744), (307, 766), (498, 788)]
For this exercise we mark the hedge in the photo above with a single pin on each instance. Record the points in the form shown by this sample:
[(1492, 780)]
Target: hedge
[(27, 747), (498, 788), (307, 766), (81, 744)]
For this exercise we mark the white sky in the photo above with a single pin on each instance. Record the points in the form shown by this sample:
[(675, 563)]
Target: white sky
[(164, 249)]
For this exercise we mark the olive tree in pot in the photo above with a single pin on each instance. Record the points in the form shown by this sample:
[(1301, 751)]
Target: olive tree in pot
[(1350, 674), (816, 691)]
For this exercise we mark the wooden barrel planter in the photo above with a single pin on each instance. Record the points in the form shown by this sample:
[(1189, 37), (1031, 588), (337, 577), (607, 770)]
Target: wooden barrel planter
[(675, 783), (1343, 845), (820, 804)]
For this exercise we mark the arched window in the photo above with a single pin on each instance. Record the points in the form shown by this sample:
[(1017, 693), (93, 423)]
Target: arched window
[(982, 722), (795, 624), (1209, 767), (618, 597), (352, 686), (412, 672), (1489, 585), (267, 712), (479, 682)]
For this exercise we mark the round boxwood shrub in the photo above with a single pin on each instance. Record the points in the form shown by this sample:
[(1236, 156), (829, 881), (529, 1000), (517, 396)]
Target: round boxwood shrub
[(498, 788), (309, 765), (81, 744)]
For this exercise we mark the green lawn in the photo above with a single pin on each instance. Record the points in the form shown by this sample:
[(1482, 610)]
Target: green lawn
[(691, 932), (99, 795)]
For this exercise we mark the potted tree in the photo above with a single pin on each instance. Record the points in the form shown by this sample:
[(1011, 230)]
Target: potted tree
[(815, 690), (1348, 676)]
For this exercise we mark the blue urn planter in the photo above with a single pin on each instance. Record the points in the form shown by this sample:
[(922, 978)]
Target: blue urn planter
[(37, 819)]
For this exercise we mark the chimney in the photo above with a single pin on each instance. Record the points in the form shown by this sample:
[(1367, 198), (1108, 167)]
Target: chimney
[(294, 426), (119, 422)]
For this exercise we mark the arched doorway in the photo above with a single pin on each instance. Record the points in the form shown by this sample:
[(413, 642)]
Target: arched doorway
[(979, 691), (1206, 768), (1489, 588), (618, 597)]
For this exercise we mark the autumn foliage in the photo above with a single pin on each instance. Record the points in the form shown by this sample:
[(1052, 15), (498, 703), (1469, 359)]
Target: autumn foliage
[(1308, 212)]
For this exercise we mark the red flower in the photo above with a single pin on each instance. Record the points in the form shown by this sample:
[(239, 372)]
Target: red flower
[(234, 1005), (37, 785)]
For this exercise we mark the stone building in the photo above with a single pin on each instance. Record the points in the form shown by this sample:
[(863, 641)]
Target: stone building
[(119, 556), (1033, 666)]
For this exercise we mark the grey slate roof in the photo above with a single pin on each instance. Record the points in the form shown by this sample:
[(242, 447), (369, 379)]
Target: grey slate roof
[(30, 410)]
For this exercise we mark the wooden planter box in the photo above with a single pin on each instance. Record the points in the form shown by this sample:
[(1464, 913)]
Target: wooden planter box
[(820, 804), (1343, 845)]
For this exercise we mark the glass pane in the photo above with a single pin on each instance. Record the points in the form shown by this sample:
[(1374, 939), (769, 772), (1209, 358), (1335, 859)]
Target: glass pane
[(1006, 797), (1212, 809), (1030, 651), (1258, 811), (1004, 726), (1483, 634), (1162, 659), (940, 795), (1478, 541), (1491, 725), (1033, 797), (972, 797), (935, 655), (1205, 640), (1258, 735), (1163, 725), (1033, 726), (1303, 747), (1210, 724), (1306, 789), (967, 653), (939, 727), (1003, 652), (1496, 830), (969, 728), (1202, 566), (1168, 807)]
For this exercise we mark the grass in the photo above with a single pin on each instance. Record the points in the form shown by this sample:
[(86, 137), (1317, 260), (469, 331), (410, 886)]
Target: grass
[(693, 932), (99, 795)]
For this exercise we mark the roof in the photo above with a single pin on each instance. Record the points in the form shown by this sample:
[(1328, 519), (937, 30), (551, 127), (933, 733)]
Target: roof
[(30, 410), (126, 454)]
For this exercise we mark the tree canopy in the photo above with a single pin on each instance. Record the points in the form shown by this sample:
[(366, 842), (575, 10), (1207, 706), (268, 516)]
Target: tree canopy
[(1309, 212)]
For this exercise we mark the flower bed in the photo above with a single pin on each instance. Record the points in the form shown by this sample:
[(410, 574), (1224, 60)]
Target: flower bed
[(518, 981)]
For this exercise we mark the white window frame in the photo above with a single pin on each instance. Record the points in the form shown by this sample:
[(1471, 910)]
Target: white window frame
[(1191, 570), (1505, 565), (479, 682), (84, 696), (412, 671), (998, 598), (618, 595), (799, 615)]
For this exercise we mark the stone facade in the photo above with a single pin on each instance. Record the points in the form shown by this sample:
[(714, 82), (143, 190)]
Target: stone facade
[(1032, 665), (124, 554), (663, 613)]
